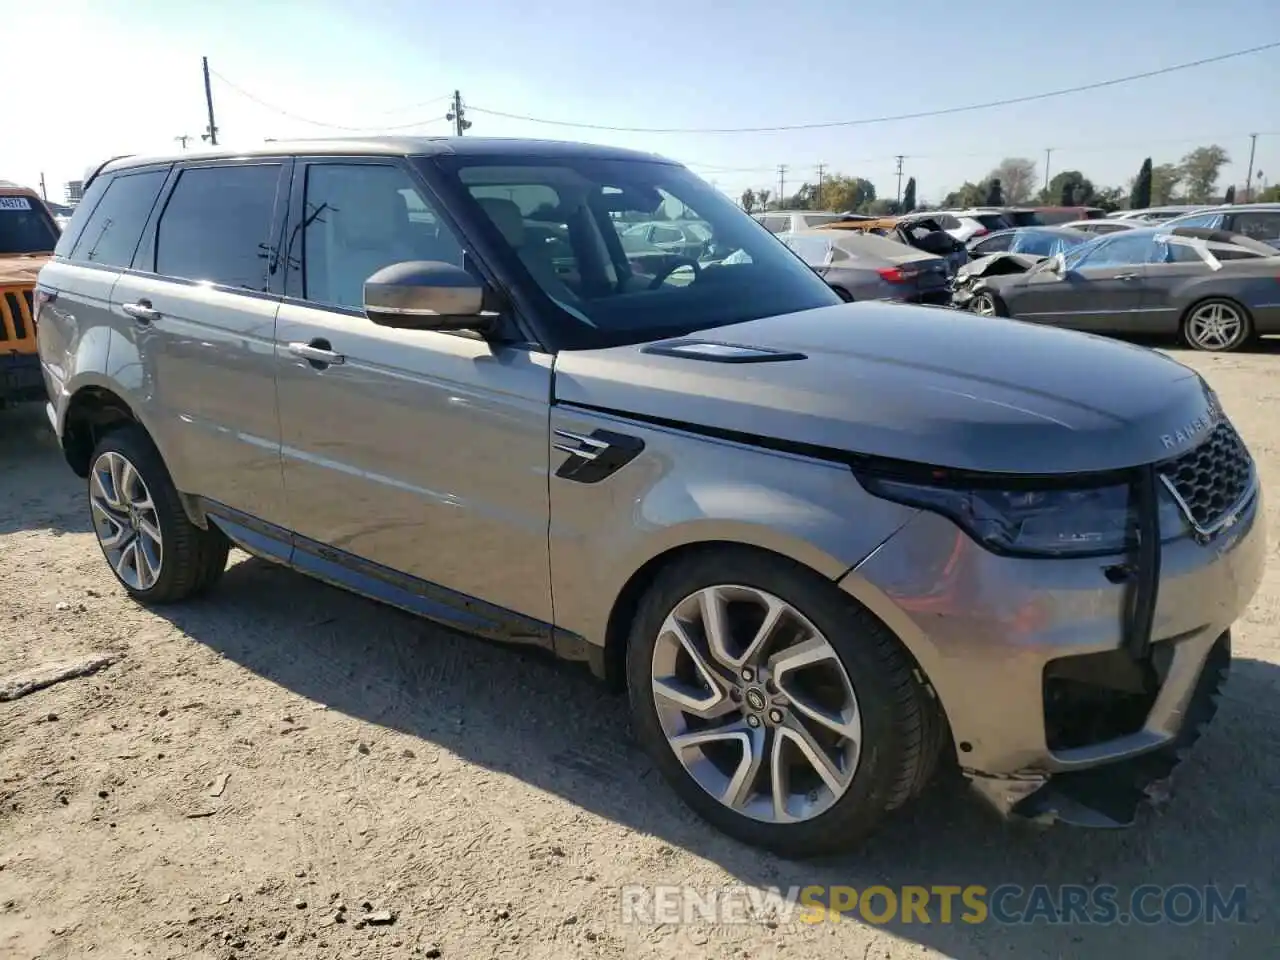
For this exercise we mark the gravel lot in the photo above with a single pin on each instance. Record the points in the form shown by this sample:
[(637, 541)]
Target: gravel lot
[(260, 760)]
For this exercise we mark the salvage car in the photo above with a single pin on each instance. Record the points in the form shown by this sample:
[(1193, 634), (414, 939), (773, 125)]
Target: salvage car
[(824, 546), (1037, 241), (28, 234), (1216, 290), (918, 230), (863, 266)]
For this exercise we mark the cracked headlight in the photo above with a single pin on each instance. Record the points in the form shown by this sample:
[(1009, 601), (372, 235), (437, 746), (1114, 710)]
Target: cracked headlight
[(1095, 521)]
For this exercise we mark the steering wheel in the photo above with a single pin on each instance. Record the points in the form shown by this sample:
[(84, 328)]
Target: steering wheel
[(676, 263)]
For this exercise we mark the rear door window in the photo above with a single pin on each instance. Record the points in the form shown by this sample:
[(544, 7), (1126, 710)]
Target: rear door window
[(997, 244), (992, 221), (110, 235), (216, 226)]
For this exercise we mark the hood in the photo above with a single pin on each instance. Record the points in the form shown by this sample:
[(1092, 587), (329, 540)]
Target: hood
[(998, 264), (928, 385), (21, 269)]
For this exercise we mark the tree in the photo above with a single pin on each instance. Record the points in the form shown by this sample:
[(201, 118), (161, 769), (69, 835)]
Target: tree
[(1070, 188), (1140, 195), (1270, 195), (806, 198), (1200, 169), (995, 195), (843, 193), (749, 200), (909, 195), (1230, 195), (1164, 183), (763, 198), (882, 207), (969, 195), (1108, 198), (1017, 178)]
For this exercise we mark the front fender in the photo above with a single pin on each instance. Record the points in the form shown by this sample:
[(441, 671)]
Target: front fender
[(684, 490)]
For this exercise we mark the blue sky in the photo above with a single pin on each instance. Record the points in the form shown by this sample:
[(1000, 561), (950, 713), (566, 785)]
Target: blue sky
[(124, 77)]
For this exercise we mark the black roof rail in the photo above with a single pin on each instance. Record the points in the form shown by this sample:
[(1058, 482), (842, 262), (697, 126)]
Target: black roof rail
[(99, 168)]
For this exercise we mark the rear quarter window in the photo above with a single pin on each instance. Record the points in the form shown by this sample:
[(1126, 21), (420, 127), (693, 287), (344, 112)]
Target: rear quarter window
[(992, 221), (112, 231)]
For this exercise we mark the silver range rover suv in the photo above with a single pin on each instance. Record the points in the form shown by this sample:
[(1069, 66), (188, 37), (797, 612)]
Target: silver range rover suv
[(824, 547)]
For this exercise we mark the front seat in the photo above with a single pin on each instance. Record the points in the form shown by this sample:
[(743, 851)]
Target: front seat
[(371, 230), (506, 216)]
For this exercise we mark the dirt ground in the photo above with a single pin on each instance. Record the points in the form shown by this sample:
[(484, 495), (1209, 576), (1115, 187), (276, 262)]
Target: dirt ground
[(260, 762)]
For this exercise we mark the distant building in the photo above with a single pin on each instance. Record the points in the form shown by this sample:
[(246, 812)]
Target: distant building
[(73, 192)]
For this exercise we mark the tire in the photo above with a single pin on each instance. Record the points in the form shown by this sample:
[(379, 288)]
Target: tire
[(130, 505), (901, 729), (986, 304), (1216, 325)]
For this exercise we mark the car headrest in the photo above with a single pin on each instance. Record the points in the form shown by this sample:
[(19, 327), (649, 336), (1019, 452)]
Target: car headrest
[(506, 216)]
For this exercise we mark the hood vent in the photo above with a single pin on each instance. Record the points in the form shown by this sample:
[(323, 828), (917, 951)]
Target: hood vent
[(717, 352)]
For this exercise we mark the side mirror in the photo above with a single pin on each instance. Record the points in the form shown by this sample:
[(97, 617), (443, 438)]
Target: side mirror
[(1056, 265), (426, 295)]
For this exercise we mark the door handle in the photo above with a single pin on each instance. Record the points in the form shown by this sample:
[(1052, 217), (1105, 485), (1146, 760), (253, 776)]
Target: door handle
[(1127, 276), (318, 352), (142, 311)]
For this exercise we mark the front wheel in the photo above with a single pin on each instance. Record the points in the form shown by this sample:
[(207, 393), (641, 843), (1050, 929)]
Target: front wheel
[(1216, 326), (778, 708), (986, 305)]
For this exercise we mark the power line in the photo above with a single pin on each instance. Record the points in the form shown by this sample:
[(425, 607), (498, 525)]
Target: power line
[(320, 123), (1008, 101), (993, 154)]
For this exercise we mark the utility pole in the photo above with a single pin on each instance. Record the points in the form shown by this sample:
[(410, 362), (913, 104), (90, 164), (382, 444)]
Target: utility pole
[(183, 140), (43, 192), (1048, 152), (458, 115), (822, 173), (900, 158), (212, 133), (1248, 180), (782, 183)]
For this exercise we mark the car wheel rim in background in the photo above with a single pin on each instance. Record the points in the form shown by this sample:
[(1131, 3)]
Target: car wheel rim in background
[(984, 306), (125, 520), (1215, 326), (755, 704)]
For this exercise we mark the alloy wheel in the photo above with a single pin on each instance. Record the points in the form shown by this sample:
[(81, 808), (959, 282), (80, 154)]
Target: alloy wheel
[(125, 520), (984, 305), (756, 704), (1215, 326)]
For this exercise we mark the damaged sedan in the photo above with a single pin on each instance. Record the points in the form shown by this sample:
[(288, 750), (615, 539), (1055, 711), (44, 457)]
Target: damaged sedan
[(1215, 290)]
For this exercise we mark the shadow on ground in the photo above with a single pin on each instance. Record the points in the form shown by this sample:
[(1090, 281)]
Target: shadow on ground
[(513, 711), (38, 491)]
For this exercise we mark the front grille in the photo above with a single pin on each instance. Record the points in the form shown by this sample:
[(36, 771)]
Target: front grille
[(17, 310), (1212, 478)]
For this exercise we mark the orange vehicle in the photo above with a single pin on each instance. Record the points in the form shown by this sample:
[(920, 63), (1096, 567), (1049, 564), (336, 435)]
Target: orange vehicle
[(28, 234)]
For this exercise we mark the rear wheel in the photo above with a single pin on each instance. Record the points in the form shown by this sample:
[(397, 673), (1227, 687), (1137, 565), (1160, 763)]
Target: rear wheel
[(154, 550), (1216, 326), (778, 708)]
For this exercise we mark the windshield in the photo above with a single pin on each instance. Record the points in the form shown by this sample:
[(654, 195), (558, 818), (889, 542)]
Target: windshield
[(25, 227), (613, 279)]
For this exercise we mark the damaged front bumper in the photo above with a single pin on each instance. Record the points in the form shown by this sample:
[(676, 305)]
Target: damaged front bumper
[(1110, 794)]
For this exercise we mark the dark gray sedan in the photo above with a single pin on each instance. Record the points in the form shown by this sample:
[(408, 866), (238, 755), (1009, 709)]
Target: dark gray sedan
[(1217, 290), (863, 266)]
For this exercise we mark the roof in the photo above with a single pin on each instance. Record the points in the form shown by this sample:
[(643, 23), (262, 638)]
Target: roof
[(494, 147), (10, 189)]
